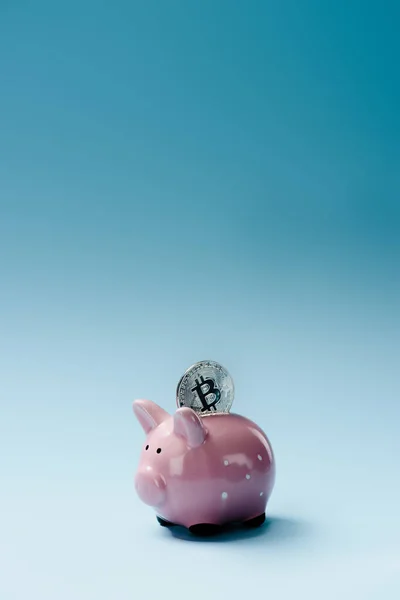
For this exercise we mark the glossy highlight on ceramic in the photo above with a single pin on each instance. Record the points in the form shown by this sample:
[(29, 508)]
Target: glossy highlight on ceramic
[(203, 472)]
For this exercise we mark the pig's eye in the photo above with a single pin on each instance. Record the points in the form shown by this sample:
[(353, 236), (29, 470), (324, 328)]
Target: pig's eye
[(147, 447), (158, 450)]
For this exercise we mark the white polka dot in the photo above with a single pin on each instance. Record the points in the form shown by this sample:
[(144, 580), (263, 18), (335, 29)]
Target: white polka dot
[(261, 493), (226, 462), (247, 476), (259, 457), (224, 495)]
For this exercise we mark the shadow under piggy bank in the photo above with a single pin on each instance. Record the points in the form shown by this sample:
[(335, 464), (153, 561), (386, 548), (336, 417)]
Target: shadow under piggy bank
[(275, 530)]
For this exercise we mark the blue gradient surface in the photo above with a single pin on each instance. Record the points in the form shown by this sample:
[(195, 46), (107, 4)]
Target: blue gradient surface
[(186, 180)]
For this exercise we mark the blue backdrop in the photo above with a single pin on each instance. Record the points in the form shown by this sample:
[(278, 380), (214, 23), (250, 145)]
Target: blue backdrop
[(185, 180)]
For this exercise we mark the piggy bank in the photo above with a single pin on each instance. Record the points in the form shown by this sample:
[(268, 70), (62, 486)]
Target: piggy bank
[(203, 473)]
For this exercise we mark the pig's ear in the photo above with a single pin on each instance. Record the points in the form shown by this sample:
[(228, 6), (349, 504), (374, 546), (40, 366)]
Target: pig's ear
[(189, 426), (149, 414)]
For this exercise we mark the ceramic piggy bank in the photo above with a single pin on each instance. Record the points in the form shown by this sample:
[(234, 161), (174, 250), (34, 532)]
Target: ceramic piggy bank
[(203, 472)]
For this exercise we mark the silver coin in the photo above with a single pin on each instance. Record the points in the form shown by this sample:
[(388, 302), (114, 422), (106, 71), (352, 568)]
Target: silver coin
[(207, 388)]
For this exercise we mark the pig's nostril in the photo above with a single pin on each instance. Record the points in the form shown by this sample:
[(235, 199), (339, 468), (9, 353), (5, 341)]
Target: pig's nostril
[(147, 447), (150, 487), (158, 450)]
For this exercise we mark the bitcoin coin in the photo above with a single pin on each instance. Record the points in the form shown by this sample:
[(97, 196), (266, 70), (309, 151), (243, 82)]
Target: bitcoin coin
[(206, 387)]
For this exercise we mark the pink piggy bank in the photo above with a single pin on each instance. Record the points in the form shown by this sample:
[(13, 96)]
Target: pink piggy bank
[(203, 472)]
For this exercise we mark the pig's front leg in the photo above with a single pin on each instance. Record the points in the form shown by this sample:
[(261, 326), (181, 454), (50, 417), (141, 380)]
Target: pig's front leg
[(165, 523)]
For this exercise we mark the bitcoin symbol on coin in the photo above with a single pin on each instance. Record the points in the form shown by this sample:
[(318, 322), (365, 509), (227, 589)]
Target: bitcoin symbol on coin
[(211, 390), (206, 387)]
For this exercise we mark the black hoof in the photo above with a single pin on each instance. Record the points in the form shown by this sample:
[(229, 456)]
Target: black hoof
[(165, 523), (205, 529), (256, 522)]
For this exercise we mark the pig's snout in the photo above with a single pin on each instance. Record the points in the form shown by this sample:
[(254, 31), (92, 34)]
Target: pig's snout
[(150, 487)]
